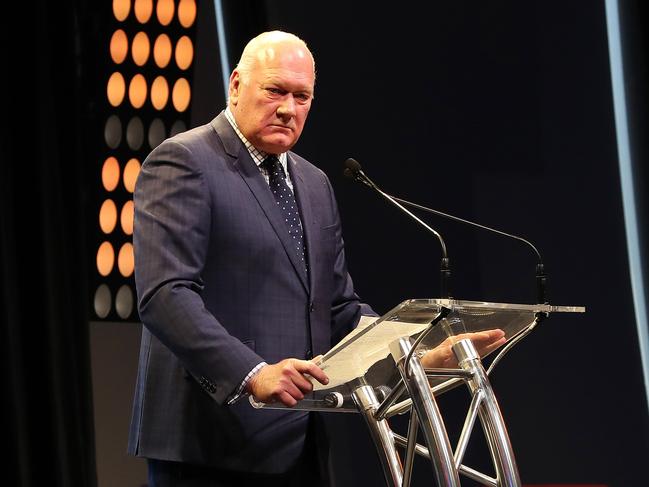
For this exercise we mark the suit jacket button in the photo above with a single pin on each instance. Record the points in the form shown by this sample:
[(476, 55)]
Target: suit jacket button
[(312, 307), (308, 355)]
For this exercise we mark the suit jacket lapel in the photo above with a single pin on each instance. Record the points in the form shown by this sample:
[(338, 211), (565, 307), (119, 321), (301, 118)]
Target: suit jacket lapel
[(309, 226), (257, 184)]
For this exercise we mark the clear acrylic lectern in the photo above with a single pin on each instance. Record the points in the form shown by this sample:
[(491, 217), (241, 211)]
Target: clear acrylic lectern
[(376, 371)]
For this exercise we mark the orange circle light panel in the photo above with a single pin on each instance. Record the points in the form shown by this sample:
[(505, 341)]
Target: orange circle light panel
[(143, 10), (105, 258), (108, 216), (187, 12), (159, 93), (131, 172), (125, 260), (184, 52), (116, 89), (181, 94), (162, 50), (141, 48), (121, 8), (118, 46), (165, 11), (110, 174), (126, 217), (137, 91)]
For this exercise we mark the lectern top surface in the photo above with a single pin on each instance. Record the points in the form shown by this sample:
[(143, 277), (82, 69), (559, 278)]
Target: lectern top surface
[(357, 356), (455, 303), (363, 356)]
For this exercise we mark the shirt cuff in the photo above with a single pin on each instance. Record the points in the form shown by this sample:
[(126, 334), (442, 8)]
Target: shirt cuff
[(239, 392)]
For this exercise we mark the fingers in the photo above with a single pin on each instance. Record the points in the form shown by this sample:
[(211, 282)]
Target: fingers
[(485, 335), (288, 394), (309, 367), (295, 384), (489, 337), (494, 334), (480, 337), (286, 381), (493, 345), (488, 340), (484, 342), (286, 399)]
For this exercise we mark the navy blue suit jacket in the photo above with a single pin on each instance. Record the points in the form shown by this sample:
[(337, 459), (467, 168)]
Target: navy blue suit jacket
[(219, 290)]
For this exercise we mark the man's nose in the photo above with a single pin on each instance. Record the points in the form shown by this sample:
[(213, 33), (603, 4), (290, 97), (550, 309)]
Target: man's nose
[(286, 109)]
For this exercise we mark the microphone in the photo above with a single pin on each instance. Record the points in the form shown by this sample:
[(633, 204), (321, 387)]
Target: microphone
[(353, 171), (541, 277)]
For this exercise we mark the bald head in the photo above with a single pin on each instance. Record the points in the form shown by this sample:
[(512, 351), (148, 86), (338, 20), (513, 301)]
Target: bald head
[(271, 90), (267, 47)]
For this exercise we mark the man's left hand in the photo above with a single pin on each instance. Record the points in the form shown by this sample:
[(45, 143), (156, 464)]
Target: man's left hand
[(442, 355)]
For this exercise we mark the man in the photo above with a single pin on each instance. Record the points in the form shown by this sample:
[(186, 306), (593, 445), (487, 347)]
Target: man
[(241, 280), (237, 293)]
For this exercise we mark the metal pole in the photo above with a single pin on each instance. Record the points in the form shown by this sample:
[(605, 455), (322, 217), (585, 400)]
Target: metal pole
[(432, 425), (489, 414), (368, 403), (413, 429)]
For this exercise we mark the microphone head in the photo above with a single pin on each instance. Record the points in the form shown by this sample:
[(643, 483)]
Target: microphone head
[(352, 167), (353, 171)]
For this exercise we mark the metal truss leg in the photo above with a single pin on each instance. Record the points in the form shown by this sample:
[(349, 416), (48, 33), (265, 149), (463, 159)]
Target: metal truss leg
[(430, 419), (367, 403), (490, 416)]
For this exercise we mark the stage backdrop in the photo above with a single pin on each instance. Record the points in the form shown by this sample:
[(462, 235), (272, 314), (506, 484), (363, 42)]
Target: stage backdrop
[(502, 113)]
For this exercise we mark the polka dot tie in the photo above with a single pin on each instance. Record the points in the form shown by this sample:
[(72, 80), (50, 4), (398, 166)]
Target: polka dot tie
[(286, 204)]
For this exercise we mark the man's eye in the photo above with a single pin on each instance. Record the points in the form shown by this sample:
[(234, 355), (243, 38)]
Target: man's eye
[(274, 91), (303, 97)]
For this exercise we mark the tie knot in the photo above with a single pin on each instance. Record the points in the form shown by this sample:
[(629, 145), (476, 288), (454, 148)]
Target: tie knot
[(272, 165)]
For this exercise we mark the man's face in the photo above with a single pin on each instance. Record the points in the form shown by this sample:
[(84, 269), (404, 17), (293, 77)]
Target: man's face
[(271, 105)]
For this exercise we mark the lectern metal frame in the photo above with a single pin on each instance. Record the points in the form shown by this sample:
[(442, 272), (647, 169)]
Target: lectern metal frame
[(373, 393)]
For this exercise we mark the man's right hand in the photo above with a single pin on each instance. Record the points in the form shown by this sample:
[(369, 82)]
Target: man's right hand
[(285, 381)]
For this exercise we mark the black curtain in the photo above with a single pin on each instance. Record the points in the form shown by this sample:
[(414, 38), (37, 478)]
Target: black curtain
[(47, 406)]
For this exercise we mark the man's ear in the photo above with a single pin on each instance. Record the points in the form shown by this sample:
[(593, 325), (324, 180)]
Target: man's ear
[(235, 85)]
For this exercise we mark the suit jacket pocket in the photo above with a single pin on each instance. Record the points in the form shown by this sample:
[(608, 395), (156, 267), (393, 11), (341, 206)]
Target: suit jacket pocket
[(250, 343), (328, 232)]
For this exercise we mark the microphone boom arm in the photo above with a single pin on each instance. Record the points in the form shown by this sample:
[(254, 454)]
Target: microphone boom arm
[(397, 202), (541, 277), (462, 220), (354, 171)]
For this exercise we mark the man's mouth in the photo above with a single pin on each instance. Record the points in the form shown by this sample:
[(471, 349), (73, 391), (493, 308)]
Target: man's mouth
[(284, 127)]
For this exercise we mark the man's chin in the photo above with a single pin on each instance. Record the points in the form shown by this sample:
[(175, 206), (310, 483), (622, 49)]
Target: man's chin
[(276, 145)]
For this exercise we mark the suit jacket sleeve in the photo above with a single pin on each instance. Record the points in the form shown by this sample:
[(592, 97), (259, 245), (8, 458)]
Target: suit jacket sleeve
[(171, 238)]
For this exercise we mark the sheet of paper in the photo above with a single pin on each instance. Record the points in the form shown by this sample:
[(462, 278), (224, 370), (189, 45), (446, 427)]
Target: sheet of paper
[(363, 347)]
